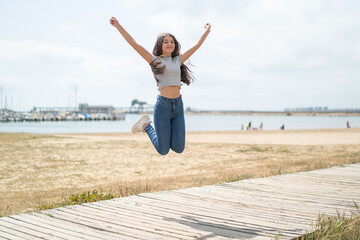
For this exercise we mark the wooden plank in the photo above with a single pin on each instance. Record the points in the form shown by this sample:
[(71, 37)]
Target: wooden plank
[(117, 228), (298, 183), (318, 182), (301, 181), (194, 213), (325, 180), (24, 230), (343, 174), (150, 230), (311, 191), (266, 203), (280, 210), (217, 208), (150, 208), (315, 178), (251, 219), (153, 219), (175, 217), (77, 229), (183, 231), (58, 228), (8, 233), (198, 205), (283, 193), (341, 197), (128, 220), (43, 228), (269, 189), (279, 193)]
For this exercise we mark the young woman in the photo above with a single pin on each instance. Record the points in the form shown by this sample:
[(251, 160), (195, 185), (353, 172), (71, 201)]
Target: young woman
[(167, 64)]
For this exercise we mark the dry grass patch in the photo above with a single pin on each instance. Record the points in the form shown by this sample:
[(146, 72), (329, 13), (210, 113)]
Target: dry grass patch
[(38, 170), (335, 227)]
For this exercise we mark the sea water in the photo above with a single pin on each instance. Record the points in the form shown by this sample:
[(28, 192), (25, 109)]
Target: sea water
[(193, 123)]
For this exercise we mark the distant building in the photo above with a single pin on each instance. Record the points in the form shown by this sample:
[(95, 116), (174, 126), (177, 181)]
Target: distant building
[(307, 109), (85, 108)]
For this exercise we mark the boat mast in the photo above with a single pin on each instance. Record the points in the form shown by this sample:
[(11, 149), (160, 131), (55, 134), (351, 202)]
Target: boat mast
[(1, 107)]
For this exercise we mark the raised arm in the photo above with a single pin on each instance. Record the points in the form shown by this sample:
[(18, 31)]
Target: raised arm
[(193, 49), (142, 51)]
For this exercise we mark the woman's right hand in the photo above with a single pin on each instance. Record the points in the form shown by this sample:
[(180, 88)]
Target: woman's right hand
[(114, 22), (207, 27)]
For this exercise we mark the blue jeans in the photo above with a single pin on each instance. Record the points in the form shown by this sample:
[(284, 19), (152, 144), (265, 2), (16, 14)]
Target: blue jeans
[(169, 124)]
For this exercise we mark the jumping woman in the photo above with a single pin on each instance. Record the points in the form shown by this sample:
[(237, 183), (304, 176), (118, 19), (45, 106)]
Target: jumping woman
[(167, 65)]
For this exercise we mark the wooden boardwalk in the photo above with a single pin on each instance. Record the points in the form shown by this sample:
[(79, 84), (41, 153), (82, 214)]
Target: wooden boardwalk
[(284, 205)]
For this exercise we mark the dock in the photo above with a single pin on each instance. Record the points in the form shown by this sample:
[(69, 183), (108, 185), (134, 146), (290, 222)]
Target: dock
[(277, 207)]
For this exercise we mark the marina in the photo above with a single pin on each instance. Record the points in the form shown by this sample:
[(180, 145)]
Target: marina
[(82, 113), (59, 116)]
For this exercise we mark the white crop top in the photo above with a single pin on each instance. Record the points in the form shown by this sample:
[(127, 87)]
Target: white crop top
[(172, 73)]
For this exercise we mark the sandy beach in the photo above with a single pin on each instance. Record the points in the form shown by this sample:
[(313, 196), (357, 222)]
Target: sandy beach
[(37, 169)]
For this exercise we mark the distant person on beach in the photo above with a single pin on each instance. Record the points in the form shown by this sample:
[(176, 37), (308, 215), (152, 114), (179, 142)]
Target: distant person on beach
[(348, 124), (261, 126), (170, 73), (282, 127), (248, 126)]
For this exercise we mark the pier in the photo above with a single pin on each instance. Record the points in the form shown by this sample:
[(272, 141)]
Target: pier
[(281, 207)]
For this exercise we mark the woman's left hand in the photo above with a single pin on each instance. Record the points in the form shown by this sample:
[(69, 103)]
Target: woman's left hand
[(207, 26), (114, 22)]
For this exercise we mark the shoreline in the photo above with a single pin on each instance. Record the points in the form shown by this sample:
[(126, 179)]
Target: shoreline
[(200, 131), (262, 137)]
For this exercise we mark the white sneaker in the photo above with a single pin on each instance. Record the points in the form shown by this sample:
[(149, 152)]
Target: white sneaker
[(139, 125)]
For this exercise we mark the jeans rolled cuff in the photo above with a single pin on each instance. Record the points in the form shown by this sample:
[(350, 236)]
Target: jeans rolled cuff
[(148, 127)]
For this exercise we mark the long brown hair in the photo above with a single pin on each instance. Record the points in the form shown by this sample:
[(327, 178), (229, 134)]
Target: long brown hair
[(158, 68)]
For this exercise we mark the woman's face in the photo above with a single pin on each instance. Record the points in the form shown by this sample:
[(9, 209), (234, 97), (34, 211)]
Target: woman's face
[(168, 46)]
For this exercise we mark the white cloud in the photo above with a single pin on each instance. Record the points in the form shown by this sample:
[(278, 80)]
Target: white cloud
[(260, 54), (56, 70)]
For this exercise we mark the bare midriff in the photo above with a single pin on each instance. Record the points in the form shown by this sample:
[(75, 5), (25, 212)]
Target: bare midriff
[(170, 91)]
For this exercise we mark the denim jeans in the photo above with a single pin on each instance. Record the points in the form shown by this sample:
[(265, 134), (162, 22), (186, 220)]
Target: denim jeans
[(169, 124)]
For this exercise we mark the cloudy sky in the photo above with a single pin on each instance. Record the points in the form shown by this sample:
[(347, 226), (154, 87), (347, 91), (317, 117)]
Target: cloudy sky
[(260, 54)]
